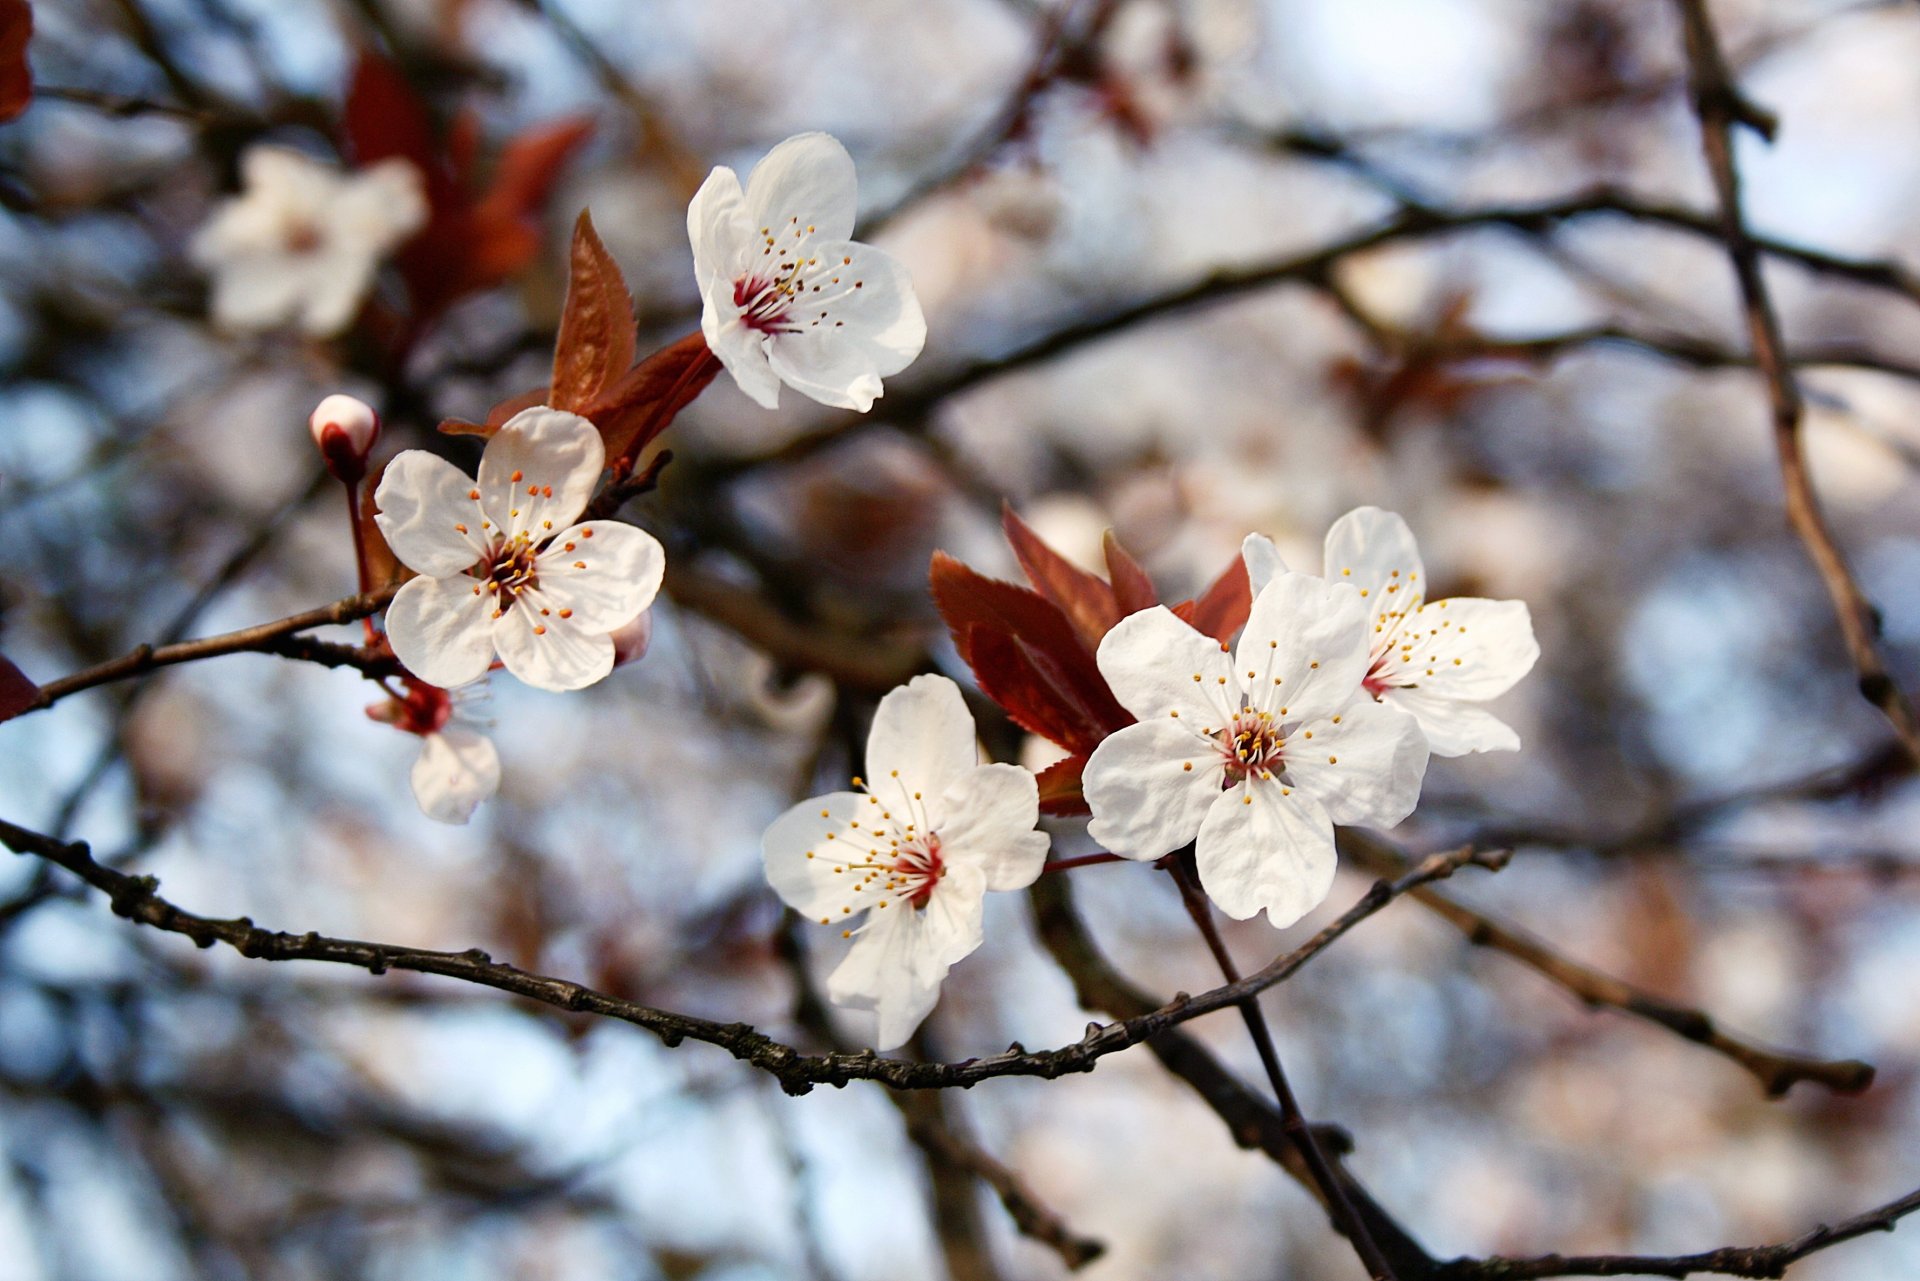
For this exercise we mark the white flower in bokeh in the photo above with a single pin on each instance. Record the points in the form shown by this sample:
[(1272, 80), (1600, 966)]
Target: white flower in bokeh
[(501, 566), (458, 766), (1431, 659), (299, 246), (786, 296), (1254, 754), (914, 855)]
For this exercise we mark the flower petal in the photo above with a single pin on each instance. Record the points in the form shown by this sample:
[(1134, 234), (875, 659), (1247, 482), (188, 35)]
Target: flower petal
[(989, 817), (458, 768), (1262, 559), (546, 651), (857, 324), (1149, 785), (1363, 765), (1373, 550), (539, 470), (1305, 645), (1155, 664), (922, 741), (807, 181), (1464, 648), (604, 572), (423, 506), (1262, 849), (718, 230), (739, 347), (801, 850), (900, 958), (440, 629), (1453, 728)]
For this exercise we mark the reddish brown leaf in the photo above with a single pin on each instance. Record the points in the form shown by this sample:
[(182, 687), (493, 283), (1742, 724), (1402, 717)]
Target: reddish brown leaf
[(497, 416), (1132, 589), (1222, 609), (1037, 694), (529, 167), (595, 344), (16, 79), (1060, 793), (17, 693), (383, 118), (383, 566), (1085, 600), (641, 403)]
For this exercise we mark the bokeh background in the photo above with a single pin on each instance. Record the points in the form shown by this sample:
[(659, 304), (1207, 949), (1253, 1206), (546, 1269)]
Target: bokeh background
[(1558, 406)]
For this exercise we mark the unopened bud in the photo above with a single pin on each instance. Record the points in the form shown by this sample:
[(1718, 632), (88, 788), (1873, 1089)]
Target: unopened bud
[(345, 428), (631, 638)]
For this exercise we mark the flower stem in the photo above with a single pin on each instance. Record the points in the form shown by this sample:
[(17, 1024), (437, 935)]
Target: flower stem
[(1292, 1120), (357, 524), (1081, 860)]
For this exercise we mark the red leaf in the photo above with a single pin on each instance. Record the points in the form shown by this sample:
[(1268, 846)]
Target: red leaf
[(383, 566), (646, 399), (1222, 609), (1132, 589), (16, 79), (17, 693), (1060, 792), (496, 417), (383, 118), (529, 167), (595, 344), (1088, 602)]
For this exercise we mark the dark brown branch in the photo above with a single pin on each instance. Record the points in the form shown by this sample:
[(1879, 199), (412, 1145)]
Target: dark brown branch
[(261, 638), (1733, 1261), (1777, 1071), (1720, 106)]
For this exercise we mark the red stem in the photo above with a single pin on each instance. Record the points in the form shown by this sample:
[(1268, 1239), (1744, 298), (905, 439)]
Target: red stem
[(1081, 860), (365, 571)]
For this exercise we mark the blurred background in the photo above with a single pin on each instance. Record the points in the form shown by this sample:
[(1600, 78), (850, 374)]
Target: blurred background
[(1547, 382)]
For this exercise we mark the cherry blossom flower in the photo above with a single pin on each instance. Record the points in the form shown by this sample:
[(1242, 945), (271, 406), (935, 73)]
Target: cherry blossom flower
[(913, 854), (787, 296), (502, 567), (301, 243), (1255, 754), (1431, 659), (345, 429), (458, 766)]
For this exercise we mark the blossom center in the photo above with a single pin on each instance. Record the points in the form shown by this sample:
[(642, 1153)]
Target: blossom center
[(303, 237), (1252, 747), (789, 290), (510, 568), (918, 869)]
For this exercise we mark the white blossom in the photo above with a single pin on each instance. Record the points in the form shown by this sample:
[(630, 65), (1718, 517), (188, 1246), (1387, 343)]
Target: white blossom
[(787, 296), (1255, 753), (907, 861), (458, 766), (1431, 659), (299, 246), (502, 567)]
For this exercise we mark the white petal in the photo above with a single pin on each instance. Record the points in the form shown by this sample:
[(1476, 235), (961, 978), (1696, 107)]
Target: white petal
[(1464, 648), (808, 178), (1453, 728), (802, 848), (900, 958), (1305, 643), (922, 741), (1364, 765), (1374, 551), (440, 629), (988, 822), (255, 292), (718, 230), (547, 651), (849, 335), (604, 571), (540, 450), (1149, 785), (333, 287), (380, 207), (1262, 560), (423, 501), (1261, 849), (1156, 664), (458, 768), (739, 347)]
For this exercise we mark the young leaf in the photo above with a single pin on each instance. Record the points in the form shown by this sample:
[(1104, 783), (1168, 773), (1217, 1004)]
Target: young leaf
[(496, 417), (1087, 601), (16, 80), (1132, 589), (1060, 792), (1222, 609), (1042, 695), (17, 693), (640, 404), (595, 344)]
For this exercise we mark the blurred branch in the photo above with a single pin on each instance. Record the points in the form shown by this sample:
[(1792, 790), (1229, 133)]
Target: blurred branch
[(1735, 1261), (1720, 106), (261, 638), (1776, 1071)]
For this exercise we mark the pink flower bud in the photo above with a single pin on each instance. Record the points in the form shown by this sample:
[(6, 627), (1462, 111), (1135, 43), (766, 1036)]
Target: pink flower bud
[(345, 428), (631, 638)]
